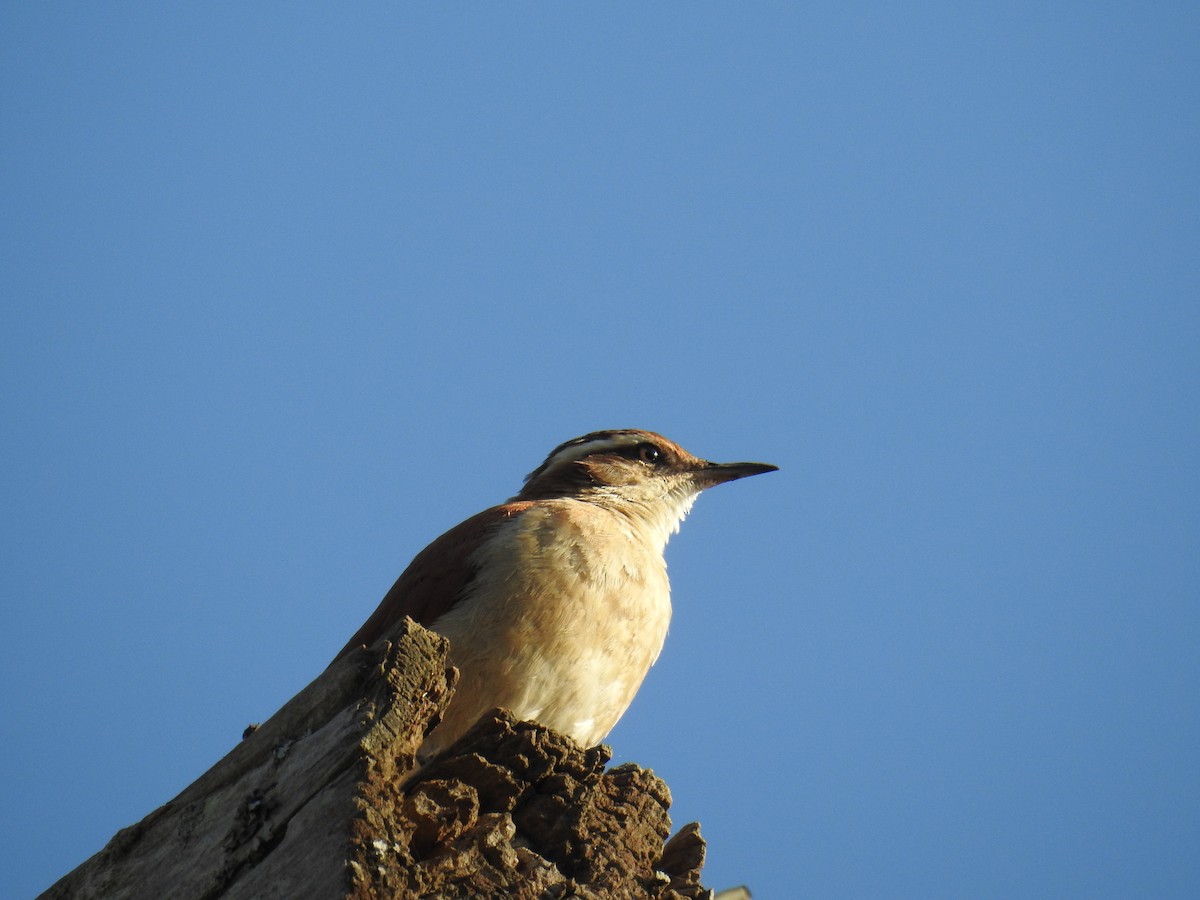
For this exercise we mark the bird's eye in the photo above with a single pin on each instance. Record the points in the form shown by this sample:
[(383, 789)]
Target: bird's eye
[(648, 453)]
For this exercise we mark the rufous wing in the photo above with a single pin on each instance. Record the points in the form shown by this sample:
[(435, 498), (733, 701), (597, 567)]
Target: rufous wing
[(436, 579)]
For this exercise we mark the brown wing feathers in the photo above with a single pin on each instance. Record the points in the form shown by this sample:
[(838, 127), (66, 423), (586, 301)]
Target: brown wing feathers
[(435, 580)]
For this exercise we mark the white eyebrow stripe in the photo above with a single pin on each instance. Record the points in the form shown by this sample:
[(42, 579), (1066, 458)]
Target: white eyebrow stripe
[(573, 452), (577, 449)]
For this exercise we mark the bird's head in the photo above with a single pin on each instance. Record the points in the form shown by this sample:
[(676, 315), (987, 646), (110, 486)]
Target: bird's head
[(636, 471)]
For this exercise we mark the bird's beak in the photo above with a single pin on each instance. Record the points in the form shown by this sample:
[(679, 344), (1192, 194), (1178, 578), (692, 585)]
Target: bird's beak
[(711, 474)]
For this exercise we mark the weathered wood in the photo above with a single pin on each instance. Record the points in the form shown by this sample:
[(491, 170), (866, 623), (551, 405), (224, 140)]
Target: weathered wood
[(324, 801)]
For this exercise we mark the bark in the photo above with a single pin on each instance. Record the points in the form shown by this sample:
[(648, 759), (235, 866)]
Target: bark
[(325, 800)]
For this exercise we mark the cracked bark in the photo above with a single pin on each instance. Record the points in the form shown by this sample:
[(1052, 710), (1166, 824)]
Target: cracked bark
[(324, 801)]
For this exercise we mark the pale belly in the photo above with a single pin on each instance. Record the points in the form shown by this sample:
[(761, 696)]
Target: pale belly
[(564, 621)]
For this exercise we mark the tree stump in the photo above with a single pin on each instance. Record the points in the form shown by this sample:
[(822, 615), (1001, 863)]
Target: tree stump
[(326, 800)]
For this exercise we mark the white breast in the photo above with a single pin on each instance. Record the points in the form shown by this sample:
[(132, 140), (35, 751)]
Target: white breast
[(568, 611)]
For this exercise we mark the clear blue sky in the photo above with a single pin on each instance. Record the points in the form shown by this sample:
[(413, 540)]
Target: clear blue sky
[(288, 290)]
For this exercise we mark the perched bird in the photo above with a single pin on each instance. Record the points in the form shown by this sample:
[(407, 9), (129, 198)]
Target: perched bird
[(556, 603)]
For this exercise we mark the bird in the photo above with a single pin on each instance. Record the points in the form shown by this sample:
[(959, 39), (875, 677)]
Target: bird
[(556, 602)]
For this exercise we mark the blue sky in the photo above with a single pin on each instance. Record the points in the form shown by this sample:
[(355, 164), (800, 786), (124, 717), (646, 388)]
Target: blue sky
[(290, 290)]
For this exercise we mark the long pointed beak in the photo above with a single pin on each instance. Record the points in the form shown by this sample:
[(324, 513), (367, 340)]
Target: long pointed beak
[(718, 473)]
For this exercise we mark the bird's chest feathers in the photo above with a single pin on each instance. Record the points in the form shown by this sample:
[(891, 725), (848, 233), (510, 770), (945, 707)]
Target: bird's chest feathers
[(571, 581), (567, 610)]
